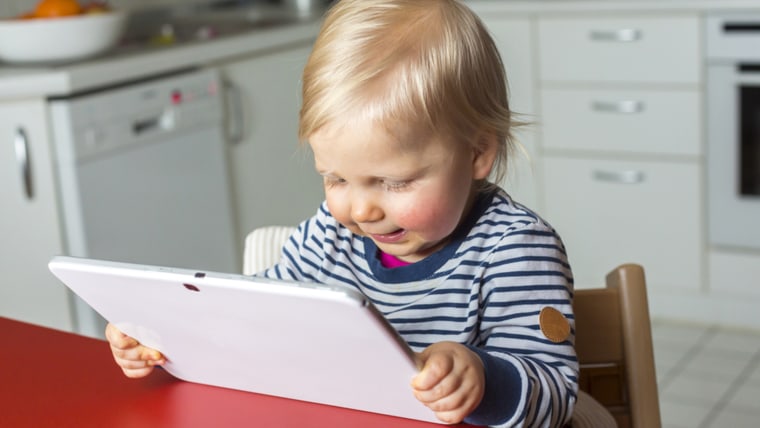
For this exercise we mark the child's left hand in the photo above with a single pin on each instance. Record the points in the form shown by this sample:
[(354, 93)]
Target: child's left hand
[(451, 382)]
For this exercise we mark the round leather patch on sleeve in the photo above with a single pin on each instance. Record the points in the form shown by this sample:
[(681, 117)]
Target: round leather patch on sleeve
[(554, 325)]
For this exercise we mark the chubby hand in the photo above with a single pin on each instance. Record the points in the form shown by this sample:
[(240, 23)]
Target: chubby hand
[(452, 380), (134, 359)]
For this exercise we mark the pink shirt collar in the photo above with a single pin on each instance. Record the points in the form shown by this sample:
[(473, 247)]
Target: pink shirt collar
[(390, 261)]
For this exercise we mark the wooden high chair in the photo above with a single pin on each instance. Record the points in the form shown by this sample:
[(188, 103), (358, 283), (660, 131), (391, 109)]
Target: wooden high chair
[(613, 340)]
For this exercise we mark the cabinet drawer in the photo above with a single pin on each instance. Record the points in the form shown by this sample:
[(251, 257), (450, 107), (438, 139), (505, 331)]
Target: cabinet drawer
[(657, 122), (620, 49), (611, 212)]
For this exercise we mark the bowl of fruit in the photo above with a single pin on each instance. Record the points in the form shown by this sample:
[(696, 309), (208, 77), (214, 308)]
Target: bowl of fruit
[(60, 30)]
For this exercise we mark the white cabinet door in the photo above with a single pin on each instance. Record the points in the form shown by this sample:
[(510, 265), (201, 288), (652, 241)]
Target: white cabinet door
[(513, 37), (28, 220), (614, 212), (274, 181)]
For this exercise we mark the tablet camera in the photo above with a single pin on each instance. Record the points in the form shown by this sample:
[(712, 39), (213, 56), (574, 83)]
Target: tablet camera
[(191, 287)]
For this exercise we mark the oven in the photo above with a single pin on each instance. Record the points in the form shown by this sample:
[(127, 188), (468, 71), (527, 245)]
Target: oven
[(733, 130)]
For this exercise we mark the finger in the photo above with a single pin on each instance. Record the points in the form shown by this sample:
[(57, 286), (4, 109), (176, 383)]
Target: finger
[(132, 353), (141, 354), (435, 368), (149, 354), (451, 416), (137, 353), (453, 408), (128, 352), (444, 389), (450, 401), (136, 368), (137, 373), (118, 339), (132, 364)]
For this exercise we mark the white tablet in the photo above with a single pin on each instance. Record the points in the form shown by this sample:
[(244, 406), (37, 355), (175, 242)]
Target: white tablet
[(311, 342)]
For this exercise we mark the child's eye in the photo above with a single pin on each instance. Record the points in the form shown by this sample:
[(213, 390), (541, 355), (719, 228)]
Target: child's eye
[(333, 181), (395, 186)]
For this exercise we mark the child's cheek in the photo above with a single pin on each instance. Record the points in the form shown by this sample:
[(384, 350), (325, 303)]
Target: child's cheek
[(429, 218), (338, 207)]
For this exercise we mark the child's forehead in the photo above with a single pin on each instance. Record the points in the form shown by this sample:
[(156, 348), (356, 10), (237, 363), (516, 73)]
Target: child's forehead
[(403, 133)]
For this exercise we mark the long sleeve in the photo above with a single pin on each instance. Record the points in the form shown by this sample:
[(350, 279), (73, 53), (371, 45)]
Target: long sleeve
[(528, 276)]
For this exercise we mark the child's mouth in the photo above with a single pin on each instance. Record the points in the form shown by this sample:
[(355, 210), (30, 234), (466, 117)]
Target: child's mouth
[(389, 238)]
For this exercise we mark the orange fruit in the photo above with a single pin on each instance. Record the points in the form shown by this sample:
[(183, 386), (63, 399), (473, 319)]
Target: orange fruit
[(27, 15), (56, 8)]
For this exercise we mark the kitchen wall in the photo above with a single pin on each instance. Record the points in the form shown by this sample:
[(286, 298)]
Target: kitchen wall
[(10, 8)]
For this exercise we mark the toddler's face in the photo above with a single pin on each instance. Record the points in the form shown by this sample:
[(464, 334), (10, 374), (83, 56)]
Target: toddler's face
[(408, 197)]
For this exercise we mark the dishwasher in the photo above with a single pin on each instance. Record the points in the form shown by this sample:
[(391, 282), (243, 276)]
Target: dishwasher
[(143, 177)]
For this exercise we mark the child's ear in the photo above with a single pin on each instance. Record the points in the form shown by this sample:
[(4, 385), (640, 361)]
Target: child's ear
[(485, 151)]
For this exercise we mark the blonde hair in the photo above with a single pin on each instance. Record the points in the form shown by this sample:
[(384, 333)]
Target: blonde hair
[(429, 64)]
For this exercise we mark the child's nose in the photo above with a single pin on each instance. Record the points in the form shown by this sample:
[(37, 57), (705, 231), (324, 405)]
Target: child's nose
[(364, 209)]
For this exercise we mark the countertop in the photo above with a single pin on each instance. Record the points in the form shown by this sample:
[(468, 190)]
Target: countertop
[(18, 82)]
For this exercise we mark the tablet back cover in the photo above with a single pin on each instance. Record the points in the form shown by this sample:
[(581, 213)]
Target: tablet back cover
[(303, 341)]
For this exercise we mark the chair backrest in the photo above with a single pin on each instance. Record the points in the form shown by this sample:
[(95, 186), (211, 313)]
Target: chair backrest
[(263, 247), (614, 345)]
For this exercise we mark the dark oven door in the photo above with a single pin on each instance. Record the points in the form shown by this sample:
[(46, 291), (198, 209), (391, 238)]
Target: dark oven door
[(749, 134)]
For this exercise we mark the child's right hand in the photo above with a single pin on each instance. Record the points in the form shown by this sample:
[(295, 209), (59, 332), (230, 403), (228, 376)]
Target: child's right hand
[(134, 359)]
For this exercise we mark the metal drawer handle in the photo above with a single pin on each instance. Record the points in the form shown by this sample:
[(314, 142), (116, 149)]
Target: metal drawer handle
[(624, 35), (622, 177), (21, 145), (623, 107)]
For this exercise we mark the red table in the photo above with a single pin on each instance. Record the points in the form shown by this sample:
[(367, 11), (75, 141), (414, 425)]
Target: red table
[(50, 378)]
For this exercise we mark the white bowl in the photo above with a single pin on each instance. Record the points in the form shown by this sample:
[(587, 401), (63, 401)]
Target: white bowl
[(60, 39)]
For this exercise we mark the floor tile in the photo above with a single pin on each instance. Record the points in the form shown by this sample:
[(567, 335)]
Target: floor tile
[(689, 388), (708, 376), (735, 341), (732, 419), (745, 399), (666, 361), (671, 334), (754, 374), (682, 414), (716, 363)]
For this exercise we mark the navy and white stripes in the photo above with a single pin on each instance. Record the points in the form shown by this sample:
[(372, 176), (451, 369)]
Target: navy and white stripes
[(485, 289)]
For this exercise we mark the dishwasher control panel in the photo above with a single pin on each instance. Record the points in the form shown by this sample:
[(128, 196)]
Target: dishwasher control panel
[(122, 117)]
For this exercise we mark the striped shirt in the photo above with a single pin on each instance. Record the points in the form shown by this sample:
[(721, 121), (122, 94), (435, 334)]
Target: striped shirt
[(484, 289)]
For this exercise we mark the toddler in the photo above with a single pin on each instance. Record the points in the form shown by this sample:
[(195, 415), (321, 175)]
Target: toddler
[(405, 109)]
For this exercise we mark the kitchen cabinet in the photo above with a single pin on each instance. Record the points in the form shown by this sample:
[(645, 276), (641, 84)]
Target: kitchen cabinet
[(273, 177), (621, 146), (611, 212), (514, 38), (29, 223)]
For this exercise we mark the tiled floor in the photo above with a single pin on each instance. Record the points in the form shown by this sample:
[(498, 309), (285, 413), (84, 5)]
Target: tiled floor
[(708, 376)]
